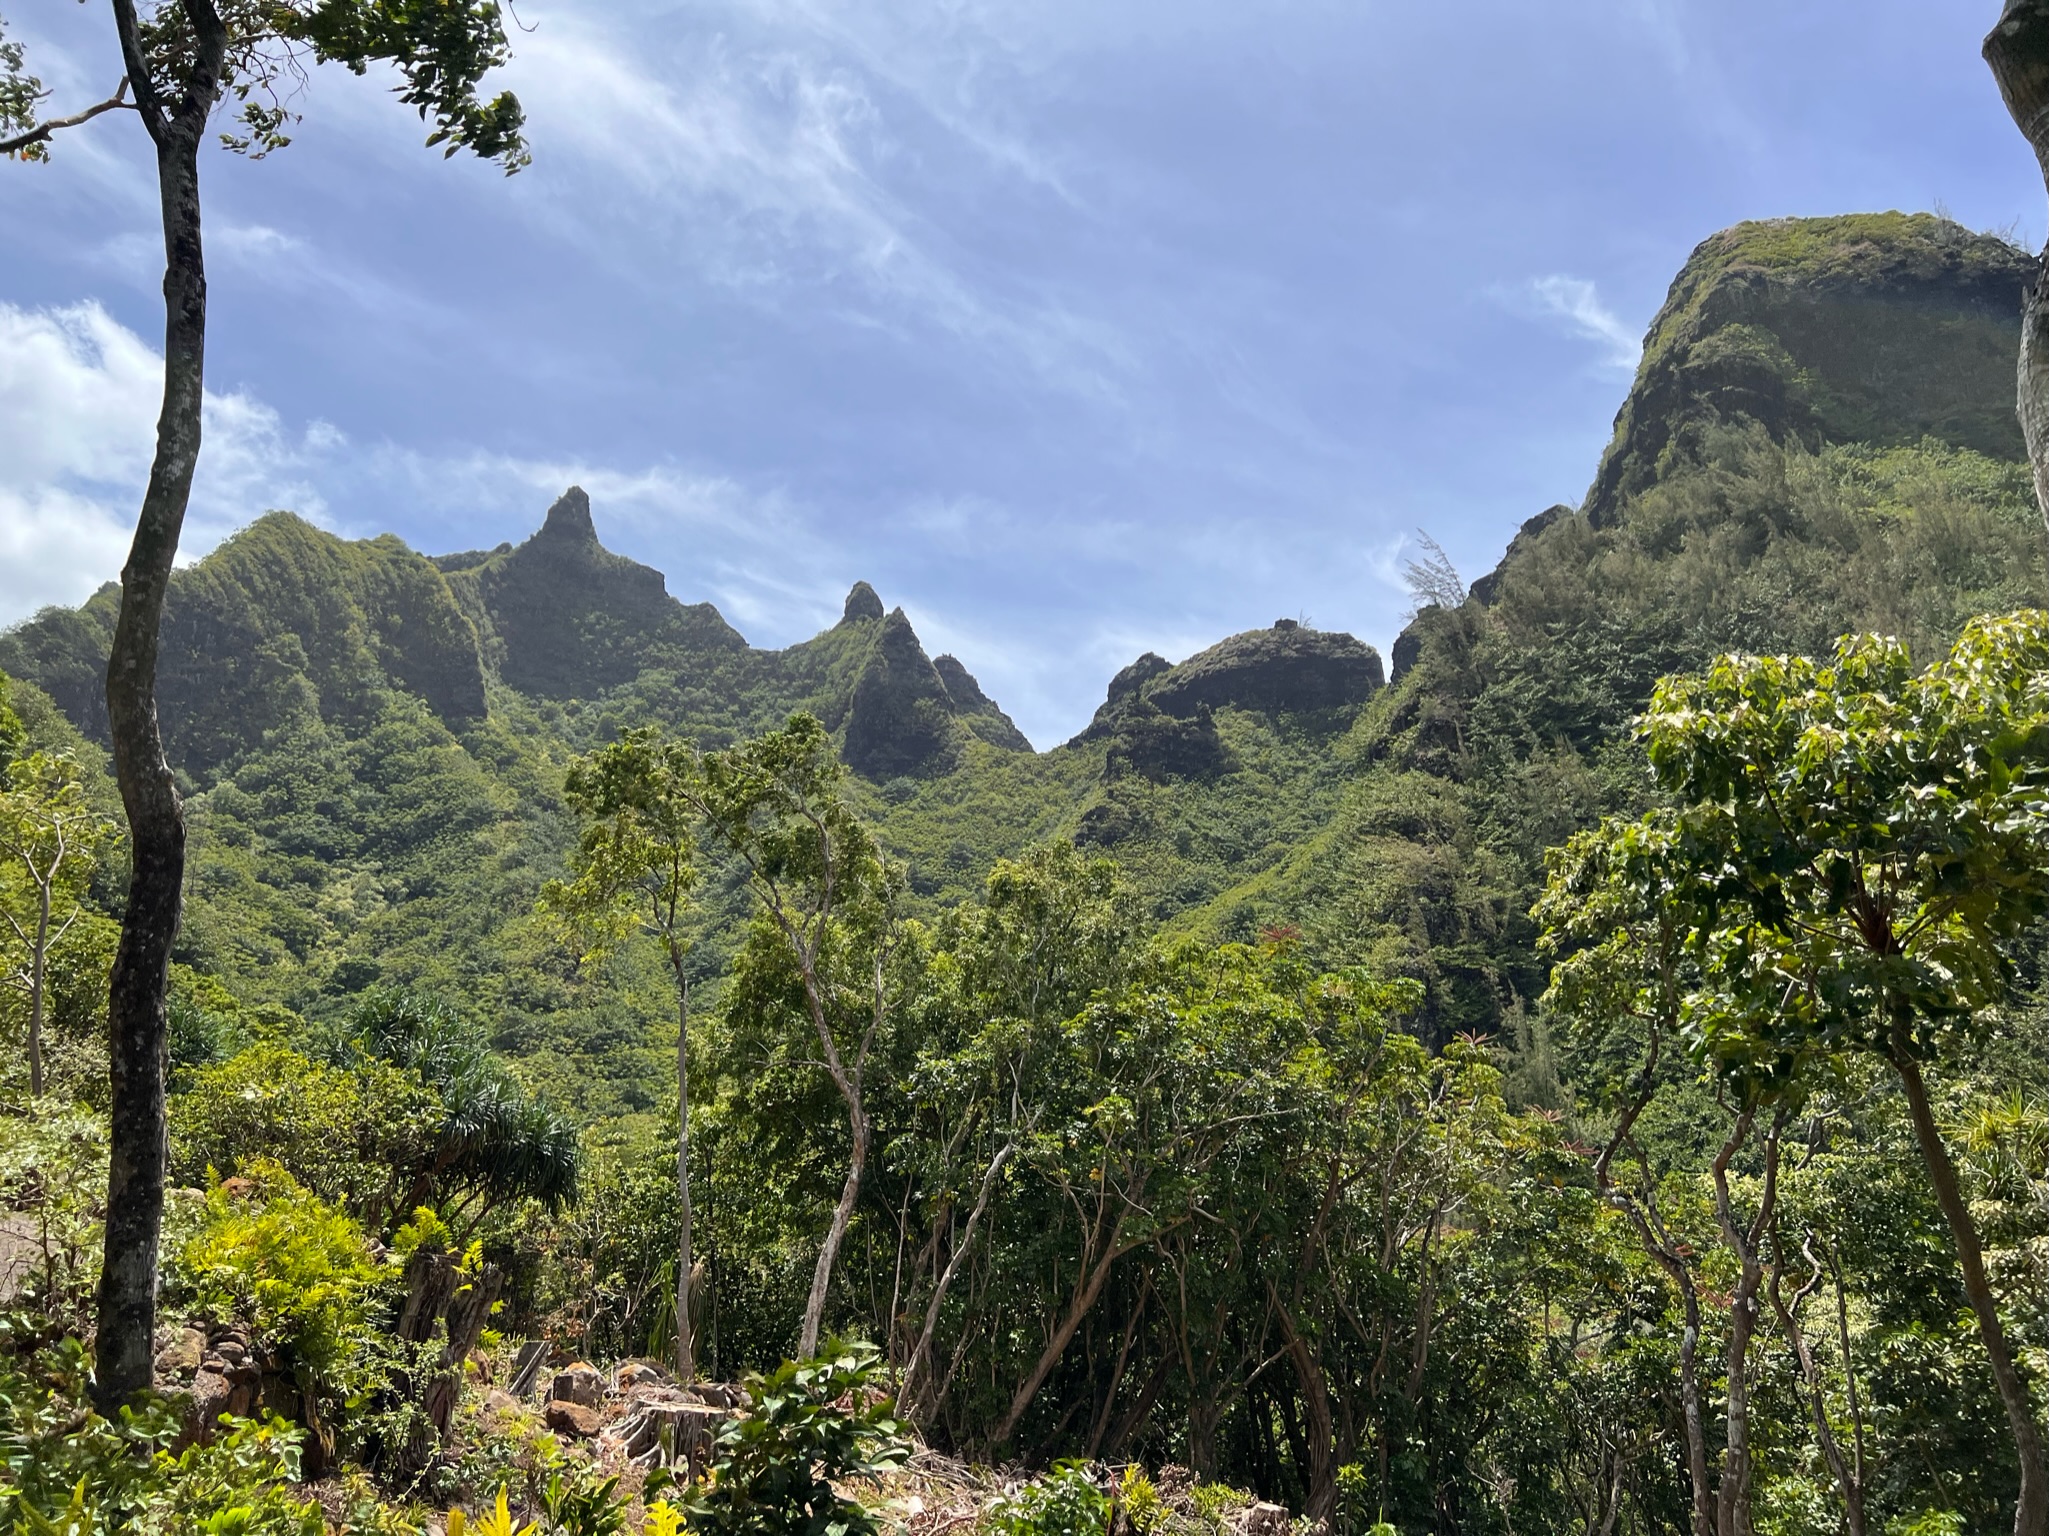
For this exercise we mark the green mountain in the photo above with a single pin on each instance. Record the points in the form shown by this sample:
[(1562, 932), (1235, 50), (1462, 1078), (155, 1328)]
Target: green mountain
[(1820, 437)]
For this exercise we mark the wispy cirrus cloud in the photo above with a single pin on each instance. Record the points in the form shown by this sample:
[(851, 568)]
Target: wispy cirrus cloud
[(1577, 302)]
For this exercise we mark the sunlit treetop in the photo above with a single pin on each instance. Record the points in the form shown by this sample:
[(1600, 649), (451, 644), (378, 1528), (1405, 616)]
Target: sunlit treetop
[(441, 49)]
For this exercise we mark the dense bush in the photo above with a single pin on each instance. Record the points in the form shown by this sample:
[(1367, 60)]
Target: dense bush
[(65, 1471), (1065, 1502), (812, 1423), (294, 1269)]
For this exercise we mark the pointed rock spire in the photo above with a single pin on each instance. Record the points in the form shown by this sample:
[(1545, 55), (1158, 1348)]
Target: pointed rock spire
[(569, 520), (862, 603)]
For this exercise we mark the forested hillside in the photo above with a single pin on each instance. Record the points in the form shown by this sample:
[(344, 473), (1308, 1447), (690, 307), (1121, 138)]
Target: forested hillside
[(1356, 1084), (1820, 439)]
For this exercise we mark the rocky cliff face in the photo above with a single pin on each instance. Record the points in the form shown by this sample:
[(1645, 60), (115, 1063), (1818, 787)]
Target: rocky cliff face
[(901, 719), (286, 620), (563, 617), (1159, 717), (1872, 328)]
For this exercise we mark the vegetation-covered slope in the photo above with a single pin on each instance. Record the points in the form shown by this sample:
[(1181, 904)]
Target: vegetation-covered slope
[(1820, 438), (1095, 1183)]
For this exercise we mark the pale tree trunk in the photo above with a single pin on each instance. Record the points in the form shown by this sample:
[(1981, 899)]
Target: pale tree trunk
[(39, 966), (2031, 1509), (842, 1214), (686, 1338), (918, 1368), (2017, 49), (1849, 1480), (1658, 1245), (1093, 1278), (1732, 1502), (848, 1081), (137, 1015)]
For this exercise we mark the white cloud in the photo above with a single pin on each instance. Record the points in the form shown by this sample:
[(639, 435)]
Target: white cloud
[(79, 394), (1578, 303), (761, 155)]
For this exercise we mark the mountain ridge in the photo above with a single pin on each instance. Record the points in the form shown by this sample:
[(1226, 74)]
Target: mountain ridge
[(374, 740)]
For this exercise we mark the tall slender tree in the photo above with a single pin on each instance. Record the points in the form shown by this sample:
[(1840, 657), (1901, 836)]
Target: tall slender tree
[(828, 905), (50, 836), (181, 60), (633, 872)]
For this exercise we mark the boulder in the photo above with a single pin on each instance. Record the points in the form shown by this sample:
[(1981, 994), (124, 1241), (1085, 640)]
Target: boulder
[(637, 1373), (1263, 1519), (579, 1384), (213, 1395), (573, 1419), (179, 1360)]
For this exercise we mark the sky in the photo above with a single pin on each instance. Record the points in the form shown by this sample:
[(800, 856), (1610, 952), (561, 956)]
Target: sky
[(1077, 327)]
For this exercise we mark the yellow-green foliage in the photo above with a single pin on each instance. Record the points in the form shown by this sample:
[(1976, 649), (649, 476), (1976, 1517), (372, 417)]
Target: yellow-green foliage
[(64, 1469), (288, 1264), (53, 1177)]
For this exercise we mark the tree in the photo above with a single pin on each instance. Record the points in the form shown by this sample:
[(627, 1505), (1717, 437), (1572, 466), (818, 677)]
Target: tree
[(1433, 581), (496, 1140), (180, 60), (2017, 50), (1624, 910), (50, 836), (827, 900), (633, 871), (1872, 844)]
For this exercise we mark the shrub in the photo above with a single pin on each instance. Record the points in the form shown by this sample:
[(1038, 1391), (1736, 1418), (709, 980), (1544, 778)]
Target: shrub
[(295, 1269), (776, 1466), (65, 1469), (53, 1171), (348, 1134), (1065, 1502)]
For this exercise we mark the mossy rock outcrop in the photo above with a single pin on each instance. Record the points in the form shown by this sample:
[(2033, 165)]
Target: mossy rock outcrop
[(1287, 669), (1871, 328), (563, 617)]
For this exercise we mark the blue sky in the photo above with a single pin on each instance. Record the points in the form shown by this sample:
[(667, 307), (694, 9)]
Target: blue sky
[(1078, 327)]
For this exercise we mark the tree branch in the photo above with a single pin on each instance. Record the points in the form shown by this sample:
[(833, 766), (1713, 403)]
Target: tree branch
[(40, 134)]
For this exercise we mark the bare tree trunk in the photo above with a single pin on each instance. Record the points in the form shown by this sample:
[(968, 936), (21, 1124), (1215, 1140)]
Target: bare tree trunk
[(2031, 1510), (138, 1019), (1732, 1502), (686, 1339), (1849, 1481), (2017, 49), (842, 1214), (1078, 1309), (39, 965), (922, 1350)]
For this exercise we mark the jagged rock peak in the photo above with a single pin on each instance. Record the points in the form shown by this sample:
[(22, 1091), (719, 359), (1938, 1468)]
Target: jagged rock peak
[(982, 714), (862, 603), (1137, 675), (898, 722), (569, 520), (1485, 589), (961, 686)]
